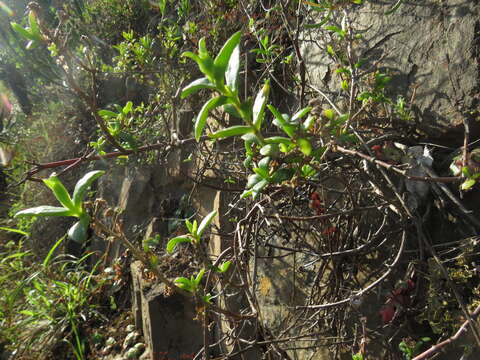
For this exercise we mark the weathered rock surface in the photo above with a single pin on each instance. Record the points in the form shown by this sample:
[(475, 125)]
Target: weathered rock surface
[(431, 49), (168, 320)]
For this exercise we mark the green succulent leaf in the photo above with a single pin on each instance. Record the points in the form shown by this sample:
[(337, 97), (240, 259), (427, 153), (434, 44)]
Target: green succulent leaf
[(279, 140), (232, 110), (222, 60), (82, 186), (224, 267), (231, 75), (253, 179), (60, 192), (206, 222), (259, 105), (468, 184), (263, 163), (184, 283), (205, 63), (23, 32), (194, 86), (231, 131), (78, 232), (301, 113), (34, 28), (207, 298), (263, 173), (189, 225), (203, 115), (127, 108), (198, 278), (282, 175), (45, 210), (305, 146), (107, 114), (270, 150), (172, 243)]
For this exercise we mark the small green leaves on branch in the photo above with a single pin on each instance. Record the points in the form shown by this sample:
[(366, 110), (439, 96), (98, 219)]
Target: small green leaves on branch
[(195, 232), (71, 206), (192, 284)]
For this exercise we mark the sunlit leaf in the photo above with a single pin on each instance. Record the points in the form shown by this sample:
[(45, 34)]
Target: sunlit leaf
[(23, 32), (231, 131), (223, 57), (45, 210), (82, 186), (259, 105), (60, 192), (78, 232), (301, 113), (203, 115), (206, 222), (172, 243), (231, 75), (305, 146), (193, 87)]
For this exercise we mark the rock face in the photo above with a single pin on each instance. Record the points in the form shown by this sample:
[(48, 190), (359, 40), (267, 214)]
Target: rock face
[(430, 48), (167, 320)]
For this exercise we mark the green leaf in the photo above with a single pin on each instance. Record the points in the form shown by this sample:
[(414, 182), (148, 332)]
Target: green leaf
[(270, 150), (177, 240), (279, 140), (224, 267), (467, 184), (194, 86), (184, 283), (45, 210), (127, 108), (280, 121), (189, 225), (329, 114), (263, 173), (304, 146), (259, 105), (17, 231), (60, 192), (253, 179), (23, 32), (231, 75), (232, 110), (194, 227), (199, 277), (307, 124), (207, 298), (222, 60), (301, 113), (282, 175), (205, 64), (260, 186), (203, 115), (34, 28), (78, 232), (206, 222), (231, 131), (263, 163), (202, 49), (52, 251), (82, 186), (107, 114)]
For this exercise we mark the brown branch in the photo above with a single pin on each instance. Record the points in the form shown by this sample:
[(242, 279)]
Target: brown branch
[(440, 179), (76, 161), (436, 348)]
